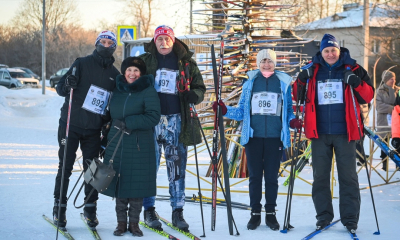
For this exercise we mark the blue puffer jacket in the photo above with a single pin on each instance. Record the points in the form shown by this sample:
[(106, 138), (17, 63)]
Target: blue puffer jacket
[(242, 111)]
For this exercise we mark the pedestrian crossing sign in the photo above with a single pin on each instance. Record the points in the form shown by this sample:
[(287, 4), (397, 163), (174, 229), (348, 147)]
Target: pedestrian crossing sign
[(126, 33)]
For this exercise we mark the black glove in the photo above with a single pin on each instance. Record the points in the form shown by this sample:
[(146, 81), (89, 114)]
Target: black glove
[(190, 97), (396, 143), (351, 79), (306, 74), (71, 82), (119, 124)]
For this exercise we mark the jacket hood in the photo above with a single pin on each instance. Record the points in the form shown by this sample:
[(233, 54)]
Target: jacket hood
[(139, 85), (179, 48), (344, 58)]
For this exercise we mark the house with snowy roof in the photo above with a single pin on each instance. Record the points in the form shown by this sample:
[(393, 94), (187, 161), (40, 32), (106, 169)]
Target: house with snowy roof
[(347, 27)]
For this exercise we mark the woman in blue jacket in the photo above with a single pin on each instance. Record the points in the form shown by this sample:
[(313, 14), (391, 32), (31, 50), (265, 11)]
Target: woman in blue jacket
[(265, 107)]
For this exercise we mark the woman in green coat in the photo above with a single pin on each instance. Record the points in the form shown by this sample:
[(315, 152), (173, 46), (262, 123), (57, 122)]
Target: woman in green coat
[(134, 106)]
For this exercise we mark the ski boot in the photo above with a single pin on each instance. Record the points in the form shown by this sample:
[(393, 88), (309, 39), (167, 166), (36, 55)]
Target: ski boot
[(271, 222), (351, 227), (321, 224), (135, 230), (61, 220), (151, 219), (254, 221), (89, 211), (178, 220), (120, 229)]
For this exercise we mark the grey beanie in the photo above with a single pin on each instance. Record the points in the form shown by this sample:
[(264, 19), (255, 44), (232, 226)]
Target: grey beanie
[(266, 53), (386, 75)]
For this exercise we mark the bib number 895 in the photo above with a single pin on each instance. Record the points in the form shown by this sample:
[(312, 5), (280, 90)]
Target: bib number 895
[(330, 95), (97, 102), (264, 103)]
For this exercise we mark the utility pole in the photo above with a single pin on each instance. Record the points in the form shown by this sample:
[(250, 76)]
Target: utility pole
[(366, 34), (191, 16), (44, 49)]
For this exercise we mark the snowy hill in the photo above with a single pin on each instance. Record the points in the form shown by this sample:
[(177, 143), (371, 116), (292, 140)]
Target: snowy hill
[(28, 165)]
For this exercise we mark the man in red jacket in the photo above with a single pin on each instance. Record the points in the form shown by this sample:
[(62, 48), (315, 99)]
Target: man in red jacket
[(330, 122)]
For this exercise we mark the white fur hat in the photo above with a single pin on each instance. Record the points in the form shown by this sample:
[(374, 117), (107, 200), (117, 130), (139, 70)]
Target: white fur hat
[(266, 53)]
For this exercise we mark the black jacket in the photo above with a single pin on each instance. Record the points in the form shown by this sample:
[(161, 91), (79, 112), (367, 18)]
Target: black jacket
[(92, 69)]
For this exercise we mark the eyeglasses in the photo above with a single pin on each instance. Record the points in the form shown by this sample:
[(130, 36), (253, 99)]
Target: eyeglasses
[(266, 61)]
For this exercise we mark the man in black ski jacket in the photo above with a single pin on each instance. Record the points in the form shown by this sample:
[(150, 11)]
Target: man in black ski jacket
[(93, 79)]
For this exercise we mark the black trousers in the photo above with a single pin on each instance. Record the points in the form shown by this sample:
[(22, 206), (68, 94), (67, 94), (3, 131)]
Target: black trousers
[(263, 159), (349, 192), (89, 141)]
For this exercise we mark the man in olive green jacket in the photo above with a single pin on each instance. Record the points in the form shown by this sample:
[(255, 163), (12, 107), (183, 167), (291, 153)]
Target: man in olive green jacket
[(179, 83)]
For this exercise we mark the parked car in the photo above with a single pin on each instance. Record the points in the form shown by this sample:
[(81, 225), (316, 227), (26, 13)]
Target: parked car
[(57, 76), (3, 66), (13, 77), (28, 71)]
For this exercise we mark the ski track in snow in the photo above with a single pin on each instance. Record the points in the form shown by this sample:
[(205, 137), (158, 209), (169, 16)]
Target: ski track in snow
[(28, 165)]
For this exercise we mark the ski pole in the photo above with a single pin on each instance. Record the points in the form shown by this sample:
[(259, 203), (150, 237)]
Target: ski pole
[(286, 223), (192, 115), (363, 152), (228, 203), (71, 92)]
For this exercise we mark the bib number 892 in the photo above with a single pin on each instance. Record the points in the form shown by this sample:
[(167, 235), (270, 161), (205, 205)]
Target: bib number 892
[(97, 102), (264, 103)]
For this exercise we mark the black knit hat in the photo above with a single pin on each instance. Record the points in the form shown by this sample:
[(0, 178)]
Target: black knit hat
[(133, 62)]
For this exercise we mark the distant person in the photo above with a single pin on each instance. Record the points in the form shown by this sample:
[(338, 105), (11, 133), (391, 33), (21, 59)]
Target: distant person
[(169, 60), (396, 124), (95, 73), (385, 98), (265, 107), (330, 122), (135, 106)]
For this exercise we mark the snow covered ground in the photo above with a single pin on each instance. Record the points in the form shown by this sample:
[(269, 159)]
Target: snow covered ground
[(28, 165)]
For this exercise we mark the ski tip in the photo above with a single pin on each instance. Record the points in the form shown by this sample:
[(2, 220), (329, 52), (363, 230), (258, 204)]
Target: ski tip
[(284, 231), (377, 233)]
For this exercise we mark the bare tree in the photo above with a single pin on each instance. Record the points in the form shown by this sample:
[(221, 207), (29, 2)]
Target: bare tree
[(58, 13), (142, 11)]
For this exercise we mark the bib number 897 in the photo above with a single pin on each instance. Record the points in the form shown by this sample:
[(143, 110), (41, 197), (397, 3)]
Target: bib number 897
[(264, 103), (97, 102), (330, 95), (163, 83)]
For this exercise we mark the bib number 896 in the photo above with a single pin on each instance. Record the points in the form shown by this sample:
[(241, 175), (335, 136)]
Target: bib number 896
[(264, 103), (97, 102)]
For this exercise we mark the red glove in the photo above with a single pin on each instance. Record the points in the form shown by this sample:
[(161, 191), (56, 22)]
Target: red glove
[(222, 105), (296, 123)]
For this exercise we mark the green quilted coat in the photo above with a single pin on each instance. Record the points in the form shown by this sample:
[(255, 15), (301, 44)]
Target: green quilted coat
[(197, 85), (138, 105)]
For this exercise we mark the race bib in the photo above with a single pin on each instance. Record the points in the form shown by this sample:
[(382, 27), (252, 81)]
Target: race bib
[(96, 100), (166, 81), (330, 92), (266, 103)]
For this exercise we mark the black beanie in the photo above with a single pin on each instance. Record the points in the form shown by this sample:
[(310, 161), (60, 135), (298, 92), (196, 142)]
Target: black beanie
[(133, 62)]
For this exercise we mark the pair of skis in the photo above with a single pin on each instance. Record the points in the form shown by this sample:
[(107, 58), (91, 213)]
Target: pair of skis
[(312, 234), (66, 234)]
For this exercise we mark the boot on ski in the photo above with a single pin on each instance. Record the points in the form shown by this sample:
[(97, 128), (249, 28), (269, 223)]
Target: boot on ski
[(89, 212), (321, 224), (178, 220), (62, 219), (151, 219), (255, 220), (351, 227)]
